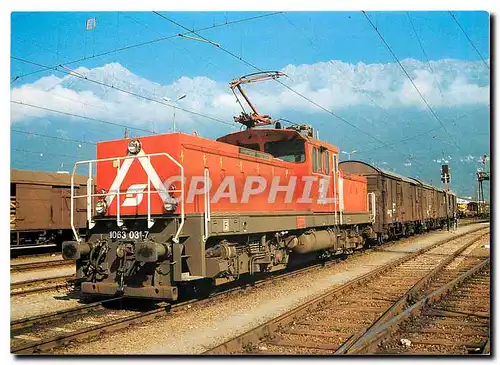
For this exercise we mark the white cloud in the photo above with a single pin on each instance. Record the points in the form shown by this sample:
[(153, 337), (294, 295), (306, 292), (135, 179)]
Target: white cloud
[(334, 85)]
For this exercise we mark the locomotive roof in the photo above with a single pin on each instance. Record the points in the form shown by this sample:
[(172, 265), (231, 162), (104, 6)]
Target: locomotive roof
[(262, 134), (285, 134), (44, 178)]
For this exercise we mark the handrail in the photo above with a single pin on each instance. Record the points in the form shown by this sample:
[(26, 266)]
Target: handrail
[(75, 233), (371, 197), (179, 230), (151, 222), (89, 198), (206, 205), (335, 193), (341, 197), (115, 190), (368, 205), (119, 222)]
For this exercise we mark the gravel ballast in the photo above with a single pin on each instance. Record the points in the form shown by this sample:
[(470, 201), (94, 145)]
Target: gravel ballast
[(197, 328), (16, 277), (38, 258), (44, 302), (40, 303)]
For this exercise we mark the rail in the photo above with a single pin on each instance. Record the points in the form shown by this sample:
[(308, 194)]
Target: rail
[(378, 331), (360, 341), (41, 285), (114, 191), (38, 265), (267, 330), (49, 341)]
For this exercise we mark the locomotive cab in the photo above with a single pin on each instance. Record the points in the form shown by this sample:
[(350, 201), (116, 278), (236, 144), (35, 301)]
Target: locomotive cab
[(285, 144)]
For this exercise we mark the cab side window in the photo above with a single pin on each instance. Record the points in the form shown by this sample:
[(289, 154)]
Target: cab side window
[(327, 162), (320, 161), (315, 159)]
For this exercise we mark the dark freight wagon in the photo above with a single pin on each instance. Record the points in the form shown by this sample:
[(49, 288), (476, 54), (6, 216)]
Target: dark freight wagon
[(40, 208), (403, 205)]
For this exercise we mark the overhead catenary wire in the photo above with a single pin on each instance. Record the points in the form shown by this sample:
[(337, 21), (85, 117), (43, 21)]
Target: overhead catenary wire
[(287, 87), (23, 164), (83, 77), (201, 57), (157, 40), (95, 106), (411, 81), (278, 81), (41, 153), (55, 95), (177, 45), (351, 84), (470, 40), (81, 116), (425, 54), (52, 137), (426, 132), (389, 143), (312, 43), (59, 135), (32, 41)]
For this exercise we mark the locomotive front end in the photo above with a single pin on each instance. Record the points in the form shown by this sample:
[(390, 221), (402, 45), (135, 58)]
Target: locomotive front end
[(135, 214)]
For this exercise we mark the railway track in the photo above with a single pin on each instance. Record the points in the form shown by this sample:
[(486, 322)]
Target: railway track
[(339, 321), (41, 285), (30, 266), (453, 319), (44, 333), (21, 267)]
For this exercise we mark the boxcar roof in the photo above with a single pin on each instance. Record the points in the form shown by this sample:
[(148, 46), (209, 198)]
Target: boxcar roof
[(44, 178), (429, 186), (371, 169), (398, 176)]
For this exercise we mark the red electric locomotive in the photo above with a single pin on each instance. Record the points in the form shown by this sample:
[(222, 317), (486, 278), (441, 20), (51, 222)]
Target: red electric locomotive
[(177, 209)]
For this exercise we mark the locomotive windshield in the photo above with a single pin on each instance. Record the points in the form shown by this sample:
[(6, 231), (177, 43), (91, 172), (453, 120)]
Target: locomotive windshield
[(289, 150), (251, 146)]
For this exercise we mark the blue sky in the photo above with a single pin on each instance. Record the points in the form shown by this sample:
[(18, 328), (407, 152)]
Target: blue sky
[(333, 58), (270, 42)]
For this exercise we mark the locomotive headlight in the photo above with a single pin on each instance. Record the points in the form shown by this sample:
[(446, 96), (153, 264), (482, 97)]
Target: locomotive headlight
[(134, 146), (170, 205), (100, 207)]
